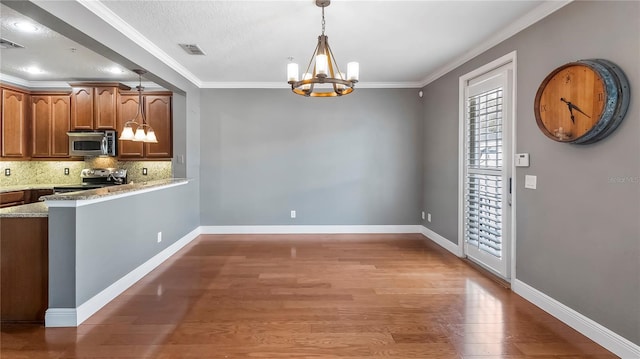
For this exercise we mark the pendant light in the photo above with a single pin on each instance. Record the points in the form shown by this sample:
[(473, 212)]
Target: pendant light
[(134, 130), (325, 73)]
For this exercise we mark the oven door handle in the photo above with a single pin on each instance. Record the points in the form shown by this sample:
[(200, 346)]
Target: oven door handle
[(103, 146)]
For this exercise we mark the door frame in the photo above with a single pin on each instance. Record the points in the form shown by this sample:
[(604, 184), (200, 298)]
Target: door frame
[(509, 58)]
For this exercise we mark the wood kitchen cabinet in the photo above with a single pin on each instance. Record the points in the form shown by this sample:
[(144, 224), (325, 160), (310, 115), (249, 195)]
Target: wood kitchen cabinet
[(14, 123), (24, 269), (13, 198), (35, 194), (17, 198), (94, 106), (50, 122), (158, 112)]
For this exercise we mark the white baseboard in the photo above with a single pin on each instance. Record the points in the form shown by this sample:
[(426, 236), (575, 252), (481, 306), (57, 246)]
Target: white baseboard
[(60, 317), (328, 229), (442, 242), (620, 346), (72, 317)]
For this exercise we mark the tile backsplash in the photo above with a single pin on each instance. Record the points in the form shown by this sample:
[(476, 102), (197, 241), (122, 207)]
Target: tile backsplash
[(52, 172)]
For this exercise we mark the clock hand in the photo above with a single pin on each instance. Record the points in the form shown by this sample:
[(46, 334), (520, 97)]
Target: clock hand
[(570, 106), (578, 109)]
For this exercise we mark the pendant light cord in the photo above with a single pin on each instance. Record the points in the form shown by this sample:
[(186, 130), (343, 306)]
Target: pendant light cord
[(140, 108)]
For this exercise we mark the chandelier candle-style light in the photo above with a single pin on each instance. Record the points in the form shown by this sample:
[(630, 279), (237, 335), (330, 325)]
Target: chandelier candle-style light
[(138, 123), (326, 79)]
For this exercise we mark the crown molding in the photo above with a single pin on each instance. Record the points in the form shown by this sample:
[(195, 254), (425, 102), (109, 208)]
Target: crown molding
[(205, 85), (14, 80), (243, 85), (535, 15), (33, 85), (119, 24), (284, 85), (389, 85)]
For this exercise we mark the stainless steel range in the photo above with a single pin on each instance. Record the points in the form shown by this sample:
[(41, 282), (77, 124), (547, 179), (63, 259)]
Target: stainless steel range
[(93, 178)]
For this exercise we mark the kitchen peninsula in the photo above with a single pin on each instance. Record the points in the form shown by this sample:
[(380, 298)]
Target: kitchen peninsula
[(100, 242)]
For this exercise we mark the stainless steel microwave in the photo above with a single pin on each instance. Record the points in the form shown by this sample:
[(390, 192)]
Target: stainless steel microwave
[(94, 143)]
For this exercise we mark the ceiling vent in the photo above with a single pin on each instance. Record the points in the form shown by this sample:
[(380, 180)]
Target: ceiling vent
[(6, 44), (192, 49)]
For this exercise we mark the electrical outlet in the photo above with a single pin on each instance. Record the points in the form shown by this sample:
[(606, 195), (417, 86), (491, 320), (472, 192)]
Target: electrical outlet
[(66, 171), (423, 215), (429, 217), (144, 171), (293, 214), (159, 237), (7, 171)]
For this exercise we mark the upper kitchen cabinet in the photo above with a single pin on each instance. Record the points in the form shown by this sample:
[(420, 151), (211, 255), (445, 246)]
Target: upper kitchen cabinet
[(14, 123), (94, 106), (127, 110), (50, 122), (158, 113)]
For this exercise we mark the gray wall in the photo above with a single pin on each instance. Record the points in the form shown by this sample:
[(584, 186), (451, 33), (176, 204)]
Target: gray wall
[(92, 246), (62, 257), (103, 257), (351, 160), (578, 234)]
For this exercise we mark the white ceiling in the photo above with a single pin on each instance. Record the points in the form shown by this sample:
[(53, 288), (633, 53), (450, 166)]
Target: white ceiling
[(247, 43), (59, 58)]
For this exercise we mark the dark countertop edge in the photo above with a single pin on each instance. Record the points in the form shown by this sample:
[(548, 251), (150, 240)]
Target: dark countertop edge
[(26, 187), (101, 194)]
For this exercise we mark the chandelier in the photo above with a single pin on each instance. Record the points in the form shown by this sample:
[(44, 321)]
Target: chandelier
[(325, 79), (134, 129)]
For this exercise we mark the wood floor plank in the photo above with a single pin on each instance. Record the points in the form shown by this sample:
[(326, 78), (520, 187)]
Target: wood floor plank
[(310, 296)]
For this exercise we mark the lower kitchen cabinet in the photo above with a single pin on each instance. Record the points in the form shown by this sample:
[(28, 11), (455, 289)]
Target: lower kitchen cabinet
[(17, 198), (24, 269), (13, 198), (14, 124), (35, 194), (50, 122)]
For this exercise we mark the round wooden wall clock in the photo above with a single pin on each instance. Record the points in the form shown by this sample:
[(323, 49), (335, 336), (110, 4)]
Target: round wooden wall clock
[(582, 102)]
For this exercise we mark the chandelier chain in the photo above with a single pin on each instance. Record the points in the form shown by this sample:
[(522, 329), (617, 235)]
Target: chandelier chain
[(323, 22)]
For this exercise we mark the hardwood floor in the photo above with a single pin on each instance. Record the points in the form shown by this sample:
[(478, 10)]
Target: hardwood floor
[(310, 296)]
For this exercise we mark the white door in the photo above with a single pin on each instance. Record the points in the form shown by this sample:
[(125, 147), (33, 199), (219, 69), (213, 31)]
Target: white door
[(487, 168)]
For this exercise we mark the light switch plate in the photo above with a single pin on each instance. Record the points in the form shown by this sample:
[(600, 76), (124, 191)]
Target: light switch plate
[(522, 160), (530, 181)]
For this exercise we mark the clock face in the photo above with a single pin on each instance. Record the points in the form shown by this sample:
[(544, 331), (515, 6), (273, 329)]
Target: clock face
[(570, 102), (582, 102)]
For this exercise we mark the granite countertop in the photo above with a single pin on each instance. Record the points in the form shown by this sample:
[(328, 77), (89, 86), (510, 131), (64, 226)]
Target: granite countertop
[(41, 209), (113, 190), (38, 209)]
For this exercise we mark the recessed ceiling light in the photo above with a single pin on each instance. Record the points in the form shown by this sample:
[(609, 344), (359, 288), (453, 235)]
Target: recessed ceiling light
[(34, 70), (25, 26), (115, 70)]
